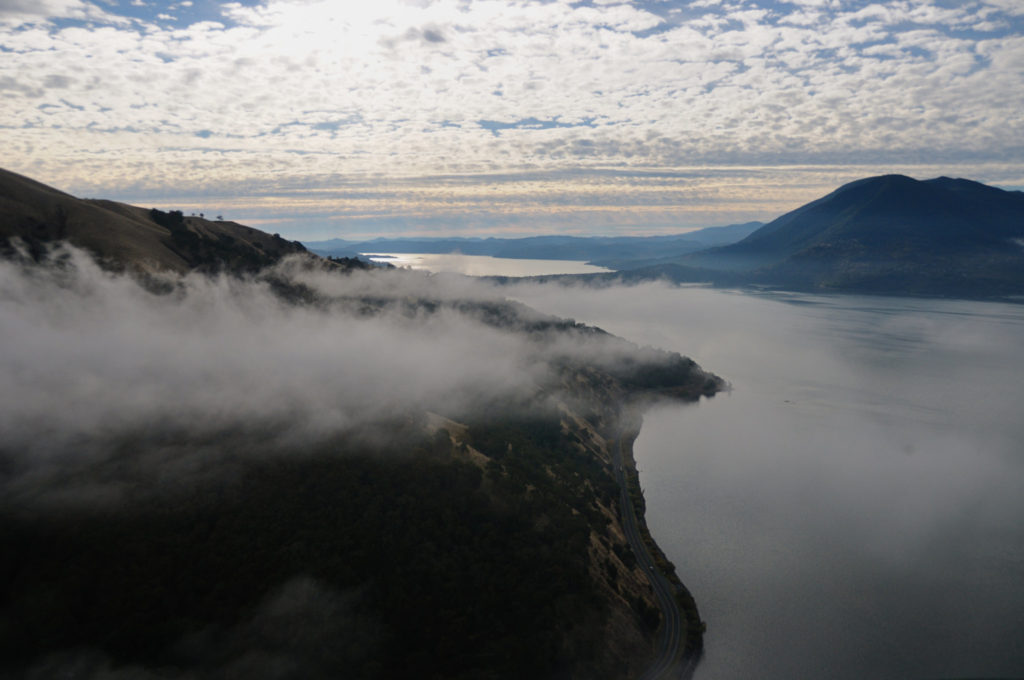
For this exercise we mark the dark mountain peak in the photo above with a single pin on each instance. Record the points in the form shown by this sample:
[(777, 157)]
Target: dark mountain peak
[(860, 187), (900, 187), (968, 187), (881, 210), (951, 181), (888, 234), (892, 179)]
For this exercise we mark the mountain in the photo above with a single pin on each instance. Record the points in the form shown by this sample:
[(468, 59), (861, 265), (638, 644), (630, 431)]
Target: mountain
[(601, 250), (890, 234), (124, 235), (311, 471), (711, 237), (486, 544), (652, 254)]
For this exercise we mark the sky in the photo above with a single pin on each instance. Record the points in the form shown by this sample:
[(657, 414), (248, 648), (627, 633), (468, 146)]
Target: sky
[(333, 119)]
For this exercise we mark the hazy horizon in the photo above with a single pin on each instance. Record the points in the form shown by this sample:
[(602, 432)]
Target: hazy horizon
[(449, 117)]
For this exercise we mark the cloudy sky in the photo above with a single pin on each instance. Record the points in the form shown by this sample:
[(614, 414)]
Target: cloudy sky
[(352, 119)]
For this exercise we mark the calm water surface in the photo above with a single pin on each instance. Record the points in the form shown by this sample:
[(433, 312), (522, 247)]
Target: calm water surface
[(484, 265), (854, 508)]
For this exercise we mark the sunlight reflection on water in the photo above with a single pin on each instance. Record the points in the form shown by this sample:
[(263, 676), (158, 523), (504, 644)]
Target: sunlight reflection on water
[(484, 265)]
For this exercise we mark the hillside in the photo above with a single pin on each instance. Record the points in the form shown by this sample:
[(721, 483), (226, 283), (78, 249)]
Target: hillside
[(123, 235), (890, 234), (308, 470)]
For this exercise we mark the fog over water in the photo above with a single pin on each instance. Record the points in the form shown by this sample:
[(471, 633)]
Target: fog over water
[(853, 507)]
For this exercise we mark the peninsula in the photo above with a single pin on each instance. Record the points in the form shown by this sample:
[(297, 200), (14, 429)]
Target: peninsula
[(248, 457)]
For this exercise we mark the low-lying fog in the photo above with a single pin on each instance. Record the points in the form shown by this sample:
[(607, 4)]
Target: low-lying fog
[(853, 508), (92, 361), (85, 351)]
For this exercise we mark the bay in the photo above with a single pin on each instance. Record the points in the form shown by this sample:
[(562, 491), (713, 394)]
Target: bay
[(855, 506), (484, 265)]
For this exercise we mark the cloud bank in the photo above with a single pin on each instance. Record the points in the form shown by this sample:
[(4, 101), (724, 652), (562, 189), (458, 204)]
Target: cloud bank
[(160, 386), (93, 363)]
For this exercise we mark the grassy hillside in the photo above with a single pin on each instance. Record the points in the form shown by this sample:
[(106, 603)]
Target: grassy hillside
[(126, 236)]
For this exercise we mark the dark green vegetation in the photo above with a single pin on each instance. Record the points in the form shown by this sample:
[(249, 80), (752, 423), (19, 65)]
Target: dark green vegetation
[(488, 551), (413, 564), (219, 252), (481, 542), (611, 251), (887, 235)]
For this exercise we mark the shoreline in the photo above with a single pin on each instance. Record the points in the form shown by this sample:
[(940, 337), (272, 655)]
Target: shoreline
[(692, 628)]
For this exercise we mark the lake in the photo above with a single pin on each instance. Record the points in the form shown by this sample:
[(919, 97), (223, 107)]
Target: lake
[(854, 508), (484, 265)]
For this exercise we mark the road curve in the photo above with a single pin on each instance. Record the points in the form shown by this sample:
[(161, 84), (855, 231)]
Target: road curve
[(673, 629)]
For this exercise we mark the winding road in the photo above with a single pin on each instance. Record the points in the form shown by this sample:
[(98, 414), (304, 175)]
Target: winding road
[(666, 661)]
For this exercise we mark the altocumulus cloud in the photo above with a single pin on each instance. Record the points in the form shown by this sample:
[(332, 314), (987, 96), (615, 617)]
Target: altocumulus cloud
[(237, 95)]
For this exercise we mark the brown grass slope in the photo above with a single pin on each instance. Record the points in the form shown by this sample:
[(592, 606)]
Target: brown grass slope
[(125, 236)]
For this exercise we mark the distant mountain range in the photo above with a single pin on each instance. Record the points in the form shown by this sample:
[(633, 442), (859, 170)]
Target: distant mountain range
[(890, 234), (614, 252)]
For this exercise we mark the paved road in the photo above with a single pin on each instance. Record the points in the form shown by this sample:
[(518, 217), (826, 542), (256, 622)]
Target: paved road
[(673, 625)]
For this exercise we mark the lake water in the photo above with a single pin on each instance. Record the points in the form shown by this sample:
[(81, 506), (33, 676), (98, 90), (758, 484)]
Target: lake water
[(484, 265), (854, 508)]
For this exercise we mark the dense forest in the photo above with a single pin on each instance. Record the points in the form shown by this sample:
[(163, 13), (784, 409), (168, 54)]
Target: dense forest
[(488, 552), (381, 563)]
